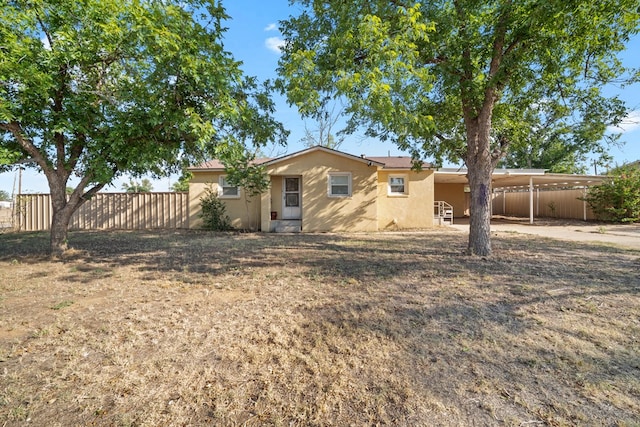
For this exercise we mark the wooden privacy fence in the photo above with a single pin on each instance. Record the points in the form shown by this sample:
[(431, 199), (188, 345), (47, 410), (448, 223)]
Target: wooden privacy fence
[(126, 211), (562, 203)]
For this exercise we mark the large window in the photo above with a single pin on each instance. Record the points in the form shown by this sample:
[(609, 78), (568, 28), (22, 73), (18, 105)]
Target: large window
[(339, 184), (226, 190), (398, 185)]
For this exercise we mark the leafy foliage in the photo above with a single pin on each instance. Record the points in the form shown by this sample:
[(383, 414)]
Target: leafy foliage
[(5, 196), (459, 80), (553, 137), (99, 88), (618, 199), (243, 171), (143, 186), (8, 157), (182, 185), (213, 213)]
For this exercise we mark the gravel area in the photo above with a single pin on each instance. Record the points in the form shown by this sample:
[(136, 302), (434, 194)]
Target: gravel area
[(623, 235)]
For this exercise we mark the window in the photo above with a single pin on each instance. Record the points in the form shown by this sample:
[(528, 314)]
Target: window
[(339, 184), (398, 185), (226, 190)]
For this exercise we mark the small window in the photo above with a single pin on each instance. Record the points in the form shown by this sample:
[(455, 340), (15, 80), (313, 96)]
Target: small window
[(398, 185), (340, 184), (227, 190)]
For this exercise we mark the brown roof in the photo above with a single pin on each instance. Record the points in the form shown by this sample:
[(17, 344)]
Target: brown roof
[(389, 162), (397, 162), (217, 164)]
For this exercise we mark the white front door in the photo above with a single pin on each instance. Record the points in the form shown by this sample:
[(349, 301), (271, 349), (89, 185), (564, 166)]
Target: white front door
[(291, 196)]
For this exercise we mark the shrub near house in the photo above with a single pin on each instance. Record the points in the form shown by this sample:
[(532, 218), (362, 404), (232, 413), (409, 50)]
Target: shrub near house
[(618, 199)]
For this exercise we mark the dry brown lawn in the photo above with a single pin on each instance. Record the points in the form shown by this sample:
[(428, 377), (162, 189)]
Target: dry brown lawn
[(197, 328)]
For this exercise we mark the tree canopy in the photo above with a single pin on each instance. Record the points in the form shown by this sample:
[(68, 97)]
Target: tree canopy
[(99, 88), (456, 79), (143, 186), (560, 135)]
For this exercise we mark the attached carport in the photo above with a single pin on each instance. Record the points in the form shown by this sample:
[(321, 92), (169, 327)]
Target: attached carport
[(530, 180)]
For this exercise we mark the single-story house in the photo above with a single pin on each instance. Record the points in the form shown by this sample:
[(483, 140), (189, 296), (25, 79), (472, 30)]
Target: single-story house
[(320, 189)]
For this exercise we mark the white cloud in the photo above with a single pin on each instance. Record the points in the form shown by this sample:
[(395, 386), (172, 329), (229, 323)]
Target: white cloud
[(275, 44), (271, 27), (628, 124)]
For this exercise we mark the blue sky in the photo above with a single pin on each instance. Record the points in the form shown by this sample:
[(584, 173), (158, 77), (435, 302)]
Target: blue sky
[(253, 38)]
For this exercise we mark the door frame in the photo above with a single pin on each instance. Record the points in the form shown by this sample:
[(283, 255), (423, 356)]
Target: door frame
[(295, 215)]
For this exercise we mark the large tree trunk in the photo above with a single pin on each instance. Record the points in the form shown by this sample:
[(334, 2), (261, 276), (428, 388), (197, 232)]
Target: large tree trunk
[(480, 164), (479, 176), (59, 231), (62, 209)]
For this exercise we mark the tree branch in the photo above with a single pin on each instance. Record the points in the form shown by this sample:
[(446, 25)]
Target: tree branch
[(77, 148), (58, 107), (45, 30), (467, 68), (26, 144)]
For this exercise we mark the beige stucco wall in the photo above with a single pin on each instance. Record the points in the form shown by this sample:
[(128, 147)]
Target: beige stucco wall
[(319, 211), (369, 208), (276, 195), (454, 195), (236, 208), (414, 210)]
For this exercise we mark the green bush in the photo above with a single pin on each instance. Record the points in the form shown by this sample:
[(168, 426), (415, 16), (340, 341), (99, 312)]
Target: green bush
[(214, 214), (618, 199)]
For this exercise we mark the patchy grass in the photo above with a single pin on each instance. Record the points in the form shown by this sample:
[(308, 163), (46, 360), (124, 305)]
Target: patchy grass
[(62, 304), (190, 328)]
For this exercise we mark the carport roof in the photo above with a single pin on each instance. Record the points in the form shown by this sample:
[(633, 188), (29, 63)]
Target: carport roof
[(520, 178)]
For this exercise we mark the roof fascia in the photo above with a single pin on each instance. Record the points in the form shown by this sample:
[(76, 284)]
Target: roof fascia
[(369, 162)]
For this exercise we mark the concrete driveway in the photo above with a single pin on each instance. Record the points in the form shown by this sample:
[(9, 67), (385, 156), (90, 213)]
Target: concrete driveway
[(623, 235)]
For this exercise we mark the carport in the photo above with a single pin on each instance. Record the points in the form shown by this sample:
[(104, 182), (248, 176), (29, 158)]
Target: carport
[(522, 180)]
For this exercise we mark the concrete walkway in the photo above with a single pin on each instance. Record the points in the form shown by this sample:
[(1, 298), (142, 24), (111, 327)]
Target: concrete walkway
[(623, 235)]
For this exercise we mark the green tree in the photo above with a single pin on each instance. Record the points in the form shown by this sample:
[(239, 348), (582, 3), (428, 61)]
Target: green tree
[(143, 186), (182, 184), (550, 137), (5, 196), (452, 78), (242, 170), (618, 198), (100, 88), (8, 158)]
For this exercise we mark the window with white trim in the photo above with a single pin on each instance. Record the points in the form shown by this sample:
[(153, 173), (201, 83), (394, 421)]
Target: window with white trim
[(398, 185), (339, 184), (226, 190)]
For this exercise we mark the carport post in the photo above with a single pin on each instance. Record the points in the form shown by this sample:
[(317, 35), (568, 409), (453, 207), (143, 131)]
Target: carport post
[(584, 203), (530, 200)]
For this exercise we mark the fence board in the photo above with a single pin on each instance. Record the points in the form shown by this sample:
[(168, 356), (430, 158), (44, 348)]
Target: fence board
[(563, 203), (124, 211)]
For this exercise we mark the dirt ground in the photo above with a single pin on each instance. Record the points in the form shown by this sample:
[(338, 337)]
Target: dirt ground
[(403, 329)]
